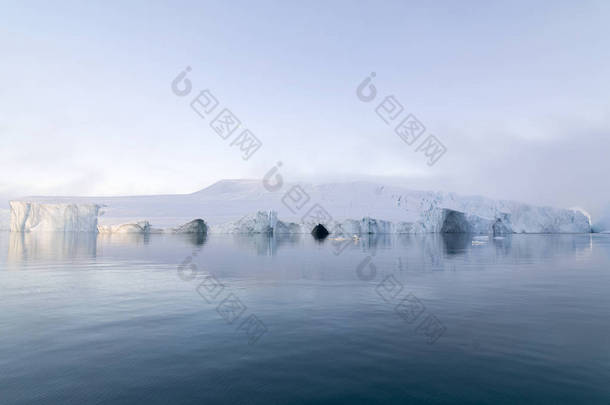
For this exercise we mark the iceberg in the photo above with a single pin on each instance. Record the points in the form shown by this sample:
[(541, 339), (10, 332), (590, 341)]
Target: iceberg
[(196, 226), (363, 226), (434, 220), (26, 216), (34, 216), (457, 222), (142, 227), (453, 221), (261, 222), (353, 208), (602, 225), (319, 232)]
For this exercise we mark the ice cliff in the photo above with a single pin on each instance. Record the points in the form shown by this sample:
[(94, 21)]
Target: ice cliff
[(33, 216), (62, 217), (437, 220), (234, 206), (261, 222), (364, 207), (196, 226), (136, 227)]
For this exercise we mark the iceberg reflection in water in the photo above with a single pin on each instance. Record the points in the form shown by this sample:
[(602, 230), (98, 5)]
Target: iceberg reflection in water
[(51, 245), (57, 246), (67, 245)]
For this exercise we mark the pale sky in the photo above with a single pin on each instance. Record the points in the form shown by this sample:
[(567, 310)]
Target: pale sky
[(517, 91)]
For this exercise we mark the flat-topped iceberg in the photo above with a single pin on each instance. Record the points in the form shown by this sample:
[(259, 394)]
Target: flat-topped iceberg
[(28, 216), (435, 220), (232, 206), (34, 216)]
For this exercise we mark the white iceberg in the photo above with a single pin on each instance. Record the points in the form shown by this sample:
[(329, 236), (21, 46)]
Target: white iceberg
[(261, 222), (354, 208), (142, 227), (35, 216), (196, 226)]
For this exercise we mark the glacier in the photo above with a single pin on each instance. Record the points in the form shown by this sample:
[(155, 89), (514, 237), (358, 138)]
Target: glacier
[(245, 206)]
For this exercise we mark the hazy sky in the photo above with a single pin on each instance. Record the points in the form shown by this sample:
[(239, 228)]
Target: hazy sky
[(518, 92)]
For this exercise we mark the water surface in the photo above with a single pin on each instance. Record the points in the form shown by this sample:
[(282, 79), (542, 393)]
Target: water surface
[(163, 319)]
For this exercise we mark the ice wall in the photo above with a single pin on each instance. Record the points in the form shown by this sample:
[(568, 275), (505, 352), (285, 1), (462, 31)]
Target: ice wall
[(430, 220), (260, 222), (142, 227), (358, 207), (34, 216), (506, 216)]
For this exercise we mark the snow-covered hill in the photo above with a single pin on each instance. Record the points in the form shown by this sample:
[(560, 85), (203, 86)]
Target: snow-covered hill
[(395, 209)]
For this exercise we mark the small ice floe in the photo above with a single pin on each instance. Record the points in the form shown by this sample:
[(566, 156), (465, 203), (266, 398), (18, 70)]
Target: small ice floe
[(355, 238), (480, 240)]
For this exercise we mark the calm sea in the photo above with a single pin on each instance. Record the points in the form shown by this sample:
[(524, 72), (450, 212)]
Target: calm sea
[(170, 319)]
